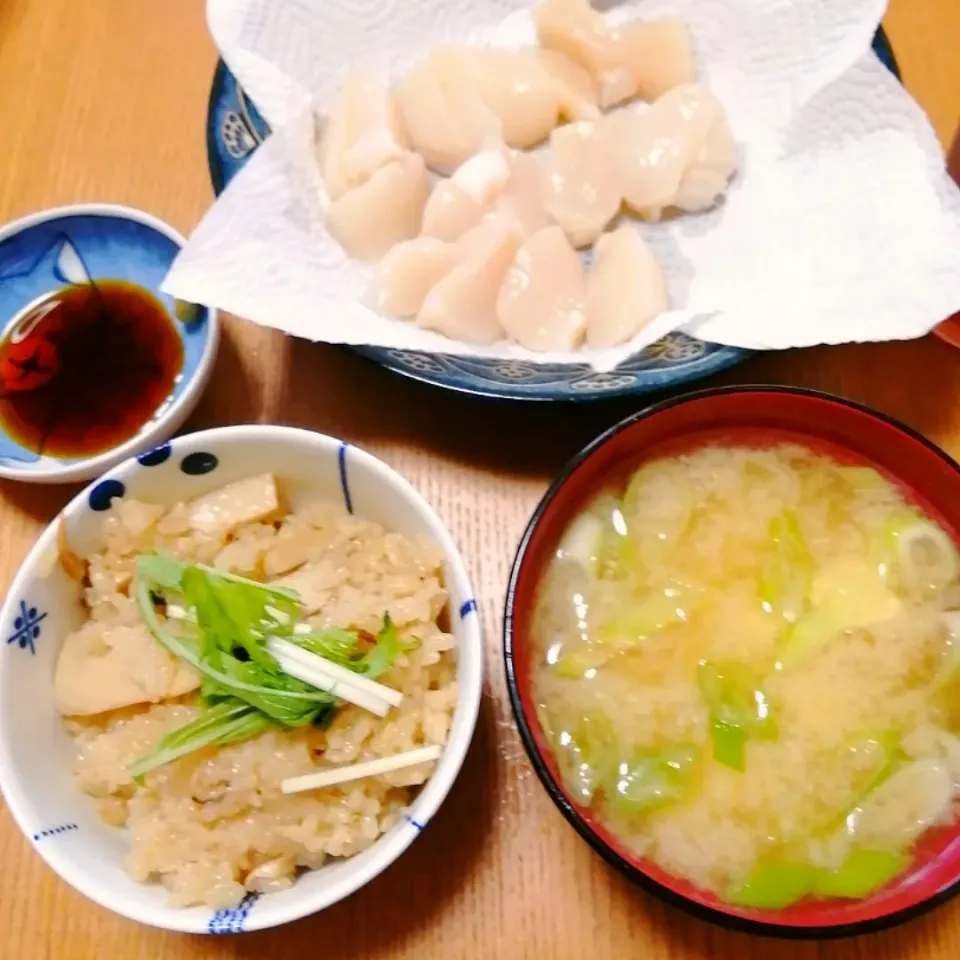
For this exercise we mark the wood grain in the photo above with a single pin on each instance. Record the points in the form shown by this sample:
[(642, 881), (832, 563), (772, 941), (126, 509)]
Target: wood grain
[(106, 100)]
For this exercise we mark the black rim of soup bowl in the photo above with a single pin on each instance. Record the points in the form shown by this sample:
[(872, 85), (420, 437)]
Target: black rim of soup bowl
[(569, 811)]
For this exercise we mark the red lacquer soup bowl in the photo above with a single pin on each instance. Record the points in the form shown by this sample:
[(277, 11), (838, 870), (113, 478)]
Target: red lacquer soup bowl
[(949, 330), (848, 433)]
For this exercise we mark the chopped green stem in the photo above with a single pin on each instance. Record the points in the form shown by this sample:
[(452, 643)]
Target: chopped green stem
[(380, 658), (182, 650), (228, 722), (287, 593), (243, 686)]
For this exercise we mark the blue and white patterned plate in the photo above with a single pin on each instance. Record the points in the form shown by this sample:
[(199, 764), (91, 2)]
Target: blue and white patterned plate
[(235, 129), (65, 246)]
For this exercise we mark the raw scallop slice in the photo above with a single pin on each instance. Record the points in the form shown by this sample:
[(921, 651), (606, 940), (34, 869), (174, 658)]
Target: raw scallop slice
[(583, 189), (409, 271), (463, 305), (459, 203), (388, 208), (659, 56), (443, 111), (476, 244), (429, 117), (542, 302), (575, 29), (524, 96), (657, 149), (521, 94), (363, 133), (525, 195), (449, 212), (707, 177), (456, 71), (626, 288), (577, 91), (648, 166)]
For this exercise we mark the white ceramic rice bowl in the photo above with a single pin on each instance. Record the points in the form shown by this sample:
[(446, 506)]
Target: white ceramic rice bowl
[(43, 605)]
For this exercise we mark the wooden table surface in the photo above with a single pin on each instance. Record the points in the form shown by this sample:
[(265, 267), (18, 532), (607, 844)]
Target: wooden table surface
[(106, 100)]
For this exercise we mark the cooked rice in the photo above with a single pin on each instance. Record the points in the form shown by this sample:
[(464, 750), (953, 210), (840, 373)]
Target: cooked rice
[(214, 825)]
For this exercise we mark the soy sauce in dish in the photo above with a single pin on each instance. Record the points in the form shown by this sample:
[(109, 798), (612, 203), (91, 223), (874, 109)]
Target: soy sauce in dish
[(86, 368)]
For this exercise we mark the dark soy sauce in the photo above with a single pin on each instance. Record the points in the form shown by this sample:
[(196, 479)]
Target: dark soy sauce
[(86, 368)]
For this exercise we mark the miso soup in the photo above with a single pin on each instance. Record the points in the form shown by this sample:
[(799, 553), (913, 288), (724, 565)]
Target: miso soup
[(745, 661)]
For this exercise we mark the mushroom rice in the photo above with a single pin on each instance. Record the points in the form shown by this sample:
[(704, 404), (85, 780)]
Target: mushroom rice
[(213, 825)]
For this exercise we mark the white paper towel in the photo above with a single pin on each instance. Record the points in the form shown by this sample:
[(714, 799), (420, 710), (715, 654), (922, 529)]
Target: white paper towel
[(840, 225)]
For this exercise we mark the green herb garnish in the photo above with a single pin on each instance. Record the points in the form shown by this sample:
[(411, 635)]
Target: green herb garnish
[(228, 722), (242, 686), (380, 658), (334, 644)]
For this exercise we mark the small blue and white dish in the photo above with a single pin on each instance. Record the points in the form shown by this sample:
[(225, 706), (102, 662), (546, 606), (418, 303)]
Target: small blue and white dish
[(44, 605), (63, 271), (234, 131)]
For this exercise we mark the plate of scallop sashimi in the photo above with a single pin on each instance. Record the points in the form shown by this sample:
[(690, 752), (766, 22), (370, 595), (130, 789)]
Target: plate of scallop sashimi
[(492, 195), (502, 230), (495, 194), (235, 129), (560, 186)]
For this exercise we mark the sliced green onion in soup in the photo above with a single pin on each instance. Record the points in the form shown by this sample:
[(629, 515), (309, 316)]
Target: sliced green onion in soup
[(847, 595), (564, 613), (739, 710), (653, 779), (875, 758), (863, 872), (651, 473), (599, 542), (729, 744), (619, 558), (862, 478), (914, 797), (774, 886), (581, 543), (883, 546), (644, 618), (786, 569), (925, 555), (587, 754), (871, 759), (950, 667), (582, 663), (659, 504)]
